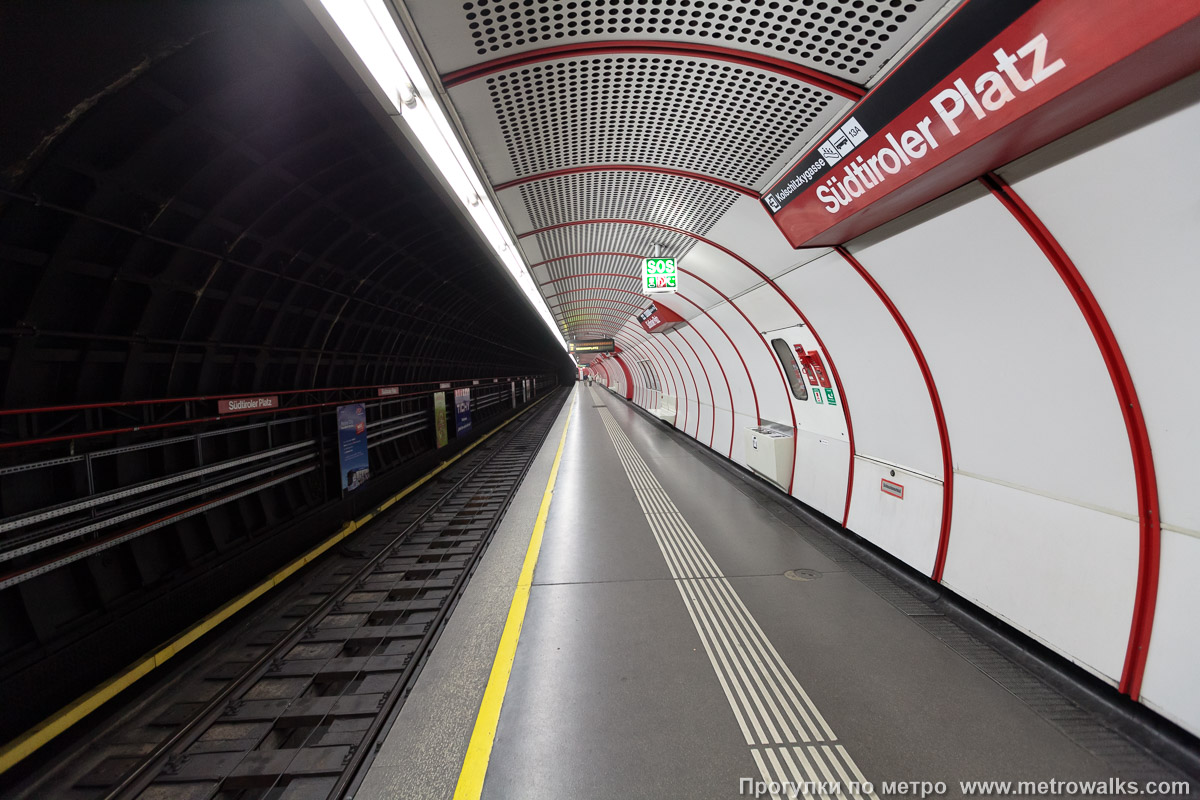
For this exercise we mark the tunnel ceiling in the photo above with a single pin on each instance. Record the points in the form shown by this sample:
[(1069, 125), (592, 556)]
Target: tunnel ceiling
[(611, 126), (193, 200)]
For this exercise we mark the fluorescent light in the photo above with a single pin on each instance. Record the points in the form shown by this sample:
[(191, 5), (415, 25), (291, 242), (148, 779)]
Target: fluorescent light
[(370, 31)]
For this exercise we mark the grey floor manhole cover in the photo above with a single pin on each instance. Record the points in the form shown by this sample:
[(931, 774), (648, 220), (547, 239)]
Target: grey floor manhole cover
[(802, 574)]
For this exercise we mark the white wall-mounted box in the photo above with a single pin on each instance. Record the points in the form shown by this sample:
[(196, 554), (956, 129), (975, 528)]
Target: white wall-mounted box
[(770, 450)]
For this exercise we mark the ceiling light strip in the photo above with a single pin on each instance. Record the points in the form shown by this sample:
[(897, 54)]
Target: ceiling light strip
[(368, 29)]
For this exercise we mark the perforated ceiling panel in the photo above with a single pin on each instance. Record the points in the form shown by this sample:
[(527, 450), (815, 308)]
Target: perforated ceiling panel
[(601, 263), (592, 294), (618, 310), (851, 40), (654, 110), (652, 197), (611, 238), (599, 272), (671, 86)]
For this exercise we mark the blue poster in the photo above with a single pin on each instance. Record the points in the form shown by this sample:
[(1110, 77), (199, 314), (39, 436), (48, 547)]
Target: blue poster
[(462, 411), (352, 446)]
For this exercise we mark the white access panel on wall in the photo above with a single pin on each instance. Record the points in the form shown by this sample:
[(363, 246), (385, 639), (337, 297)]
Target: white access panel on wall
[(822, 435)]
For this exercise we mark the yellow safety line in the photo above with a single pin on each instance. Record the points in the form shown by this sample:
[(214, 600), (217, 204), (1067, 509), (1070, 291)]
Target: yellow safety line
[(31, 740), (479, 750)]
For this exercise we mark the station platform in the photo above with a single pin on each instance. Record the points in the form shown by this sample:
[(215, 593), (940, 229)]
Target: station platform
[(690, 632)]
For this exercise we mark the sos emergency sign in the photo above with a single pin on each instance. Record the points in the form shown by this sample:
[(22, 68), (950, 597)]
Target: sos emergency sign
[(659, 275)]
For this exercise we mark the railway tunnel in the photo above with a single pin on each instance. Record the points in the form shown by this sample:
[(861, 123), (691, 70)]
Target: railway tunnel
[(605, 398)]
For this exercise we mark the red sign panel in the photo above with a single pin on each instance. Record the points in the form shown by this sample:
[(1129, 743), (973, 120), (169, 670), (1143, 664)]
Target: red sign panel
[(806, 365), (945, 116), (660, 319), (244, 404), (891, 487), (389, 391)]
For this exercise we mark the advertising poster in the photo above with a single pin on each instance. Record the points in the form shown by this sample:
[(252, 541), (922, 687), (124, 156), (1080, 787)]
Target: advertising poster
[(462, 411), (352, 446), (439, 418)]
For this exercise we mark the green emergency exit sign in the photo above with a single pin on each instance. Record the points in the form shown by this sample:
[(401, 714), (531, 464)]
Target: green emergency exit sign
[(659, 275)]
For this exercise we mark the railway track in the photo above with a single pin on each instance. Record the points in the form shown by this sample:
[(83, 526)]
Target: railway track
[(292, 702)]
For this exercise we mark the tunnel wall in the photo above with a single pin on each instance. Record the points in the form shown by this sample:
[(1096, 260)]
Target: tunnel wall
[(976, 349)]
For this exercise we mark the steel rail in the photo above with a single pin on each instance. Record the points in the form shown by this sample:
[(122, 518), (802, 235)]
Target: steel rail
[(358, 758), (142, 776)]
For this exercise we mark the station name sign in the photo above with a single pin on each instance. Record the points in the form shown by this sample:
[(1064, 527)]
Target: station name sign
[(659, 319), (990, 85), (659, 275), (592, 346), (243, 404)]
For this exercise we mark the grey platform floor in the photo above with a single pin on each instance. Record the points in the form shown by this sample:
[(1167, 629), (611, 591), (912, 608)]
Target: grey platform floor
[(636, 677)]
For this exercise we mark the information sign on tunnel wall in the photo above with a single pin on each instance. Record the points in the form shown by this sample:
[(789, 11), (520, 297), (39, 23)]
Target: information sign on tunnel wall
[(352, 446), (241, 405), (591, 346), (439, 419), (997, 79), (660, 319), (462, 411)]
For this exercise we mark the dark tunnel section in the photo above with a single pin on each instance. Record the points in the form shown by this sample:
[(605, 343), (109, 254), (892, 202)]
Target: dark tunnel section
[(193, 203)]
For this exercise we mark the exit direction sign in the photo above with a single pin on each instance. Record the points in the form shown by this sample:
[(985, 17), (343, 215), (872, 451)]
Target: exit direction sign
[(659, 275)]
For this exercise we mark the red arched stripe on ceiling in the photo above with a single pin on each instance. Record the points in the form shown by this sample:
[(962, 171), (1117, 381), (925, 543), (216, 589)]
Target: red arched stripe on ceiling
[(628, 376), (712, 400), (656, 346), (618, 329), (712, 427), (712, 403), (643, 348), (837, 379), (600, 323), (591, 303), (724, 376), (614, 313), (639, 306), (593, 274), (695, 384), (679, 173), (575, 317), (771, 354), (749, 380), (774, 359), (779, 66), (561, 303), (575, 255), (1149, 525)]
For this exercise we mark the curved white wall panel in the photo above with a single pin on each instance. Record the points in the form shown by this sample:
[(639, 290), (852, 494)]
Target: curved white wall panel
[(889, 404), (1027, 397), (750, 233), (724, 272), (1137, 243), (1064, 573), (906, 527), (768, 385), (735, 373), (767, 308), (699, 341)]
